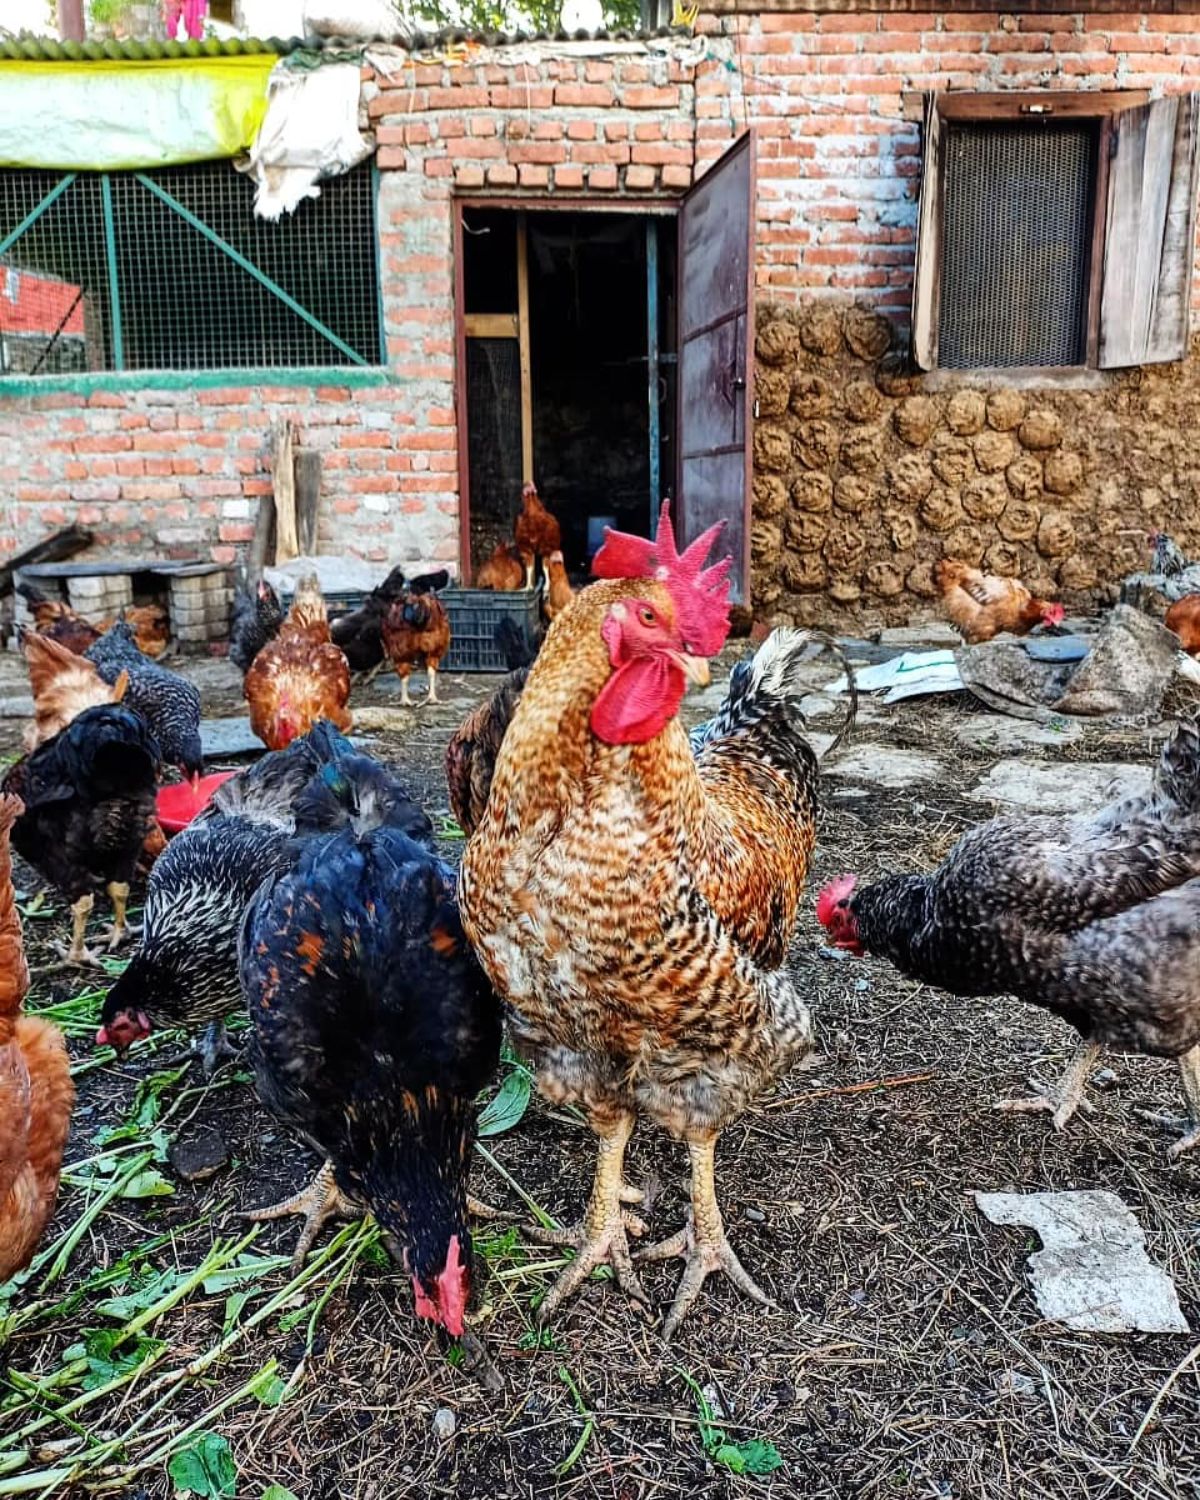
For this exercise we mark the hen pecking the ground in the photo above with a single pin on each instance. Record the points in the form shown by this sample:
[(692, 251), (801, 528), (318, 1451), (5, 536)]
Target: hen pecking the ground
[(374, 1030), (300, 677), (36, 1092), (981, 605), (1095, 918), (632, 900), (89, 796)]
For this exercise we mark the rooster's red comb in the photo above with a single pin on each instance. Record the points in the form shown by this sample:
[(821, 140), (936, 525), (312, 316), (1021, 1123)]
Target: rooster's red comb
[(700, 594)]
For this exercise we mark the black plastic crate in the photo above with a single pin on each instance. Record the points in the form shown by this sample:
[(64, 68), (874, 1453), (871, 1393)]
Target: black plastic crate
[(474, 615)]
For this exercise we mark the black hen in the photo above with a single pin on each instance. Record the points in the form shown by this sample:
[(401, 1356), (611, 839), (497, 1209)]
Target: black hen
[(185, 971), (89, 804), (257, 616), (374, 1031), (167, 702), (1092, 918)]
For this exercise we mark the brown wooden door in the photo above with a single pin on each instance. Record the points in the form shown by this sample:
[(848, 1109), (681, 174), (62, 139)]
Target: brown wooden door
[(716, 351)]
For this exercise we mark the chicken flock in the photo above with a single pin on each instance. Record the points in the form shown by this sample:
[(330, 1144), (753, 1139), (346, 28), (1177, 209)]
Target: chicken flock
[(623, 909)]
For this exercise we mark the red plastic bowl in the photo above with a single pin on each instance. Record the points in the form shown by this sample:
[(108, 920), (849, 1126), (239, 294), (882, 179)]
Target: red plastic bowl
[(180, 803)]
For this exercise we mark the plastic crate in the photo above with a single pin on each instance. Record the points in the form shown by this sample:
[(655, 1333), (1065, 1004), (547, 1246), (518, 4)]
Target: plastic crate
[(474, 615)]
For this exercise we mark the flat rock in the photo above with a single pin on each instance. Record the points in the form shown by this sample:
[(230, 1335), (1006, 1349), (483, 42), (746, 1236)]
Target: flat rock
[(19, 706), (1093, 1273), (199, 1155), (916, 637), (1008, 736), (1046, 787), (882, 765)]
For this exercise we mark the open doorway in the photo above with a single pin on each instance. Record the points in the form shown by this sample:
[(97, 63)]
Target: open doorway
[(568, 340)]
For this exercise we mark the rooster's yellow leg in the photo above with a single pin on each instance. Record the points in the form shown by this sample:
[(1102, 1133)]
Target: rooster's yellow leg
[(433, 697), (319, 1202), (702, 1242), (405, 700), (602, 1238), (1063, 1100)]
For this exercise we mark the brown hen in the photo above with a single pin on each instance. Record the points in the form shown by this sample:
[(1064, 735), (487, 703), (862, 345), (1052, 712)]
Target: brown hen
[(537, 532), (504, 571), (36, 1093), (981, 605), (416, 633), (559, 592), (633, 899), (300, 677)]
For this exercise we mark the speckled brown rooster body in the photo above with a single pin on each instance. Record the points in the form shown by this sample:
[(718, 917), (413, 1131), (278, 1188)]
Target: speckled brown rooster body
[(36, 1093), (634, 901)]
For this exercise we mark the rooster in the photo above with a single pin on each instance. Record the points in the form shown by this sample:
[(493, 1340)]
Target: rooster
[(981, 605), (633, 901), (360, 632), (1093, 918), (1183, 618), (63, 686), (537, 533), (416, 633), (58, 621), (300, 677), (374, 1031), (36, 1093)]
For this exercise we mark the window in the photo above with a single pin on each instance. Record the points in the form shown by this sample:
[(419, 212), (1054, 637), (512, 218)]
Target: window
[(1056, 231), (170, 270)]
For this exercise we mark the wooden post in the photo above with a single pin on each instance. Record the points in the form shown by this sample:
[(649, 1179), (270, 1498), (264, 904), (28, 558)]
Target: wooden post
[(308, 498), (70, 20), (262, 544), (523, 339), (287, 542)]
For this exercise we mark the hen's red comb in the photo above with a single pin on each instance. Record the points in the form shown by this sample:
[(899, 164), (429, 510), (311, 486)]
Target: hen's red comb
[(700, 594)]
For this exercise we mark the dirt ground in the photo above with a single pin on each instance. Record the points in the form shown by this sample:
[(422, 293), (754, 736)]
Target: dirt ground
[(906, 1356)]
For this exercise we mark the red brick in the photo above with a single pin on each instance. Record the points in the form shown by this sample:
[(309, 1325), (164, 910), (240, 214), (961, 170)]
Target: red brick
[(659, 155), (568, 178), (391, 159), (640, 179), (481, 125), (585, 95), (603, 178), (545, 153), (532, 176), (651, 98), (500, 174), (581, 130), (677, 177), (468, 176)]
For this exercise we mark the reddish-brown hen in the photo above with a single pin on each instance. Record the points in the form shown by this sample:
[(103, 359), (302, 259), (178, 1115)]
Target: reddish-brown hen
[(559, 592), (53, 618), (633, 899), (981, 605), (300, 677), (1183, 618), (504, 571), (36, 1093), (416, 633), (537, 532)]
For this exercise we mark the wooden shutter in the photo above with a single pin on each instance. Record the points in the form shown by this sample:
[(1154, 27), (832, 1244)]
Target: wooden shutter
[(716, 354), (1150, 233), (927, 276)]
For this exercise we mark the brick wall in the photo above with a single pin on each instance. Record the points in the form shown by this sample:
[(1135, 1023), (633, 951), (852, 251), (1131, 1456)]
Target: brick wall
[(175, 471)]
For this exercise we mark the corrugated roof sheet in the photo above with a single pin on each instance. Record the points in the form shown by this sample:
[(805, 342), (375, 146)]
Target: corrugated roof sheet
[(49, 49)]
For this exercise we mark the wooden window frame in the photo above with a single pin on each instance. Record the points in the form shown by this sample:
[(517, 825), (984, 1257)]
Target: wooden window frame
[(1100, 108)]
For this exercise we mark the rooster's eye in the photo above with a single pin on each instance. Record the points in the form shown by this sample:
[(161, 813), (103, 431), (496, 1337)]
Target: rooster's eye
[(646, 616)]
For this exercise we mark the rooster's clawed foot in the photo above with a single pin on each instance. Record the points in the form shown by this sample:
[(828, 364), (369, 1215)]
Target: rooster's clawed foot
[(703, 1255), (319, 1202)]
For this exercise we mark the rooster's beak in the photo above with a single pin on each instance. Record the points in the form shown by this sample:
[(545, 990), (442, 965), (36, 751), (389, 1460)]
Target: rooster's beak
[(694, 668)]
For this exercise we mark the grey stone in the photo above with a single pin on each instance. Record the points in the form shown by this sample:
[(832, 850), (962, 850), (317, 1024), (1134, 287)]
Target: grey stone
[(1042, 786)]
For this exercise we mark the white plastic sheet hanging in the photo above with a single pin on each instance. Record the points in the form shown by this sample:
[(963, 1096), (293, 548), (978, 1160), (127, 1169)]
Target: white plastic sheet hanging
[(311, 131)]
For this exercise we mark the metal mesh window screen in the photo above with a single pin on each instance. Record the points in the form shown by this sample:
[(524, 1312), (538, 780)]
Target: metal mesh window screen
[(1016, 232), (172, 271), (494, 426)]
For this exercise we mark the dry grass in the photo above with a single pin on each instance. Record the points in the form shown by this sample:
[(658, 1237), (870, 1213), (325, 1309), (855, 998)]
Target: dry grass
[(887, 1369)]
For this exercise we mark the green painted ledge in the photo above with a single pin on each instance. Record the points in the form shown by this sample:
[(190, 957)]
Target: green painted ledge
[(17, 387)]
